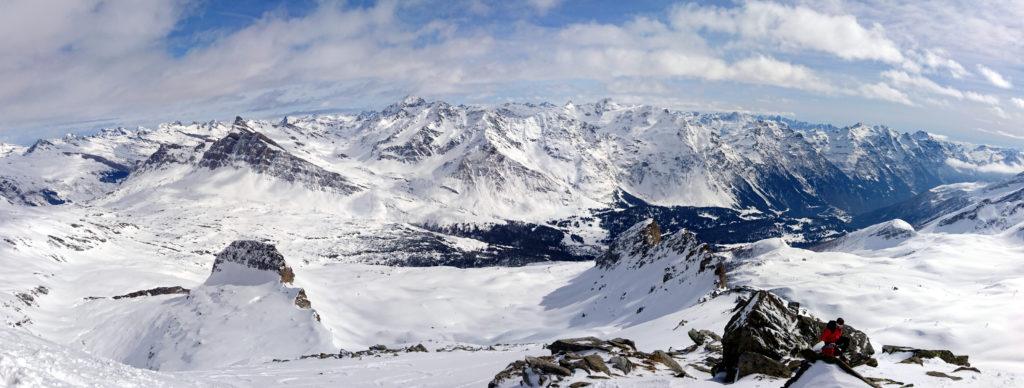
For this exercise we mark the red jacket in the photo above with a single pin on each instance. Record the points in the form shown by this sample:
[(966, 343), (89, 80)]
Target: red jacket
[(831, 336)]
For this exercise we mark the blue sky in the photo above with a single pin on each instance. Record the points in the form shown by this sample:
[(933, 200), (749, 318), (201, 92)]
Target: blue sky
[(950, 67)]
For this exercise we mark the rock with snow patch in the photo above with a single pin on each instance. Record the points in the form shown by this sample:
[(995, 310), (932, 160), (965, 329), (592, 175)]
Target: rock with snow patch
[(917, 356), (576, 361), (764, 326), (249, 262)]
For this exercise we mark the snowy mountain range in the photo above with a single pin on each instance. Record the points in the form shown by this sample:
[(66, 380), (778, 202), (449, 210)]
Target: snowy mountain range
[(390, 249), (522, 182)]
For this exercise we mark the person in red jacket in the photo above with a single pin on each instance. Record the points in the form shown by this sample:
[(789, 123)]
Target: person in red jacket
[(830, 336), (843, 343)]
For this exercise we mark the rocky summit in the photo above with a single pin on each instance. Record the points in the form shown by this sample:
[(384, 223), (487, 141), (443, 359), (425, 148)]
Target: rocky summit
[(247, 262)]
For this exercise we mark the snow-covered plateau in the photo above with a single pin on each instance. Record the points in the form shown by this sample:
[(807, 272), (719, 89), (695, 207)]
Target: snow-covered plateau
[(434, 245)]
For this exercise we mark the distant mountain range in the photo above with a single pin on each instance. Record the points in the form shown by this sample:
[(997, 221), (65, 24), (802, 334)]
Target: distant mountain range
[(428, 183)]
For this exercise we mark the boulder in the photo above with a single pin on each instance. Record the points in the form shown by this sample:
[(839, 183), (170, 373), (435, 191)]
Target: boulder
[(668, 361), (940, 374), (917, 356), (594, 356), (764, 325), (699, 337), (622, 363), (590, 343), (595, 363)]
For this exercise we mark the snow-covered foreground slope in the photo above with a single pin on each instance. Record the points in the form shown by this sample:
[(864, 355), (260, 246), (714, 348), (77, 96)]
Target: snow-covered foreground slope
[(930, 291), (950, 291)]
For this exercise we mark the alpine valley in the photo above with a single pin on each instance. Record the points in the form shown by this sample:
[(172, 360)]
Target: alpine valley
[(431, 244)]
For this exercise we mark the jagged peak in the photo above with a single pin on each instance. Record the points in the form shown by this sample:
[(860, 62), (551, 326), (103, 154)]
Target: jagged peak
[(412, 101), (240, 123)]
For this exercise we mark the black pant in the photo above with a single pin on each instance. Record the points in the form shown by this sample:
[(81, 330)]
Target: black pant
[(842, 344)]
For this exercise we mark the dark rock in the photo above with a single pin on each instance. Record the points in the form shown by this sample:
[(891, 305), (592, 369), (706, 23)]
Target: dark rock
[(416, 348), (579, 384), (622, 363), (254, 255), (301, 300), (154, 291), (750, 363), (917, 356), (590, 343), (967, 369), (766, 326), (878, 381), (546, 366), (940, 374), (668, 361), (634, 242), (510, 373), (594, 362), (700, 336), (246, 147)]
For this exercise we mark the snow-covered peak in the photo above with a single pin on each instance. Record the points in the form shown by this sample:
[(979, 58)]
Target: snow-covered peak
[(8, 149), (411, 101), (880, 236)]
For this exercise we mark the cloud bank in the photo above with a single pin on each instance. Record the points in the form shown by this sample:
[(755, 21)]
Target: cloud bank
[(75, 62)]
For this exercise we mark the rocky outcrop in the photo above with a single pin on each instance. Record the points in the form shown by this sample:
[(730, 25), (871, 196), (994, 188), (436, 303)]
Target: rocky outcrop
[(250, 262), (917, 356), (666, 272), (634, 242), (154, 291), (576, 361), (765, 336), (246, 147)]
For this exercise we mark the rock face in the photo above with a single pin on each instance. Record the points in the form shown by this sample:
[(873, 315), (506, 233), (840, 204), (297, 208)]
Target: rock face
[(248, 262), (246, 147), (765, 335), (575, 362), (643, 275)]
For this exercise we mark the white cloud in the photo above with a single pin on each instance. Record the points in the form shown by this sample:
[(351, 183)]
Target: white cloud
[(994, 77), (77, 61), (882, 91), (793, 28), (994, 168), (999, 112), (543, 6), (1019, 102), (982, 98), (935, 61), (900, 78)]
